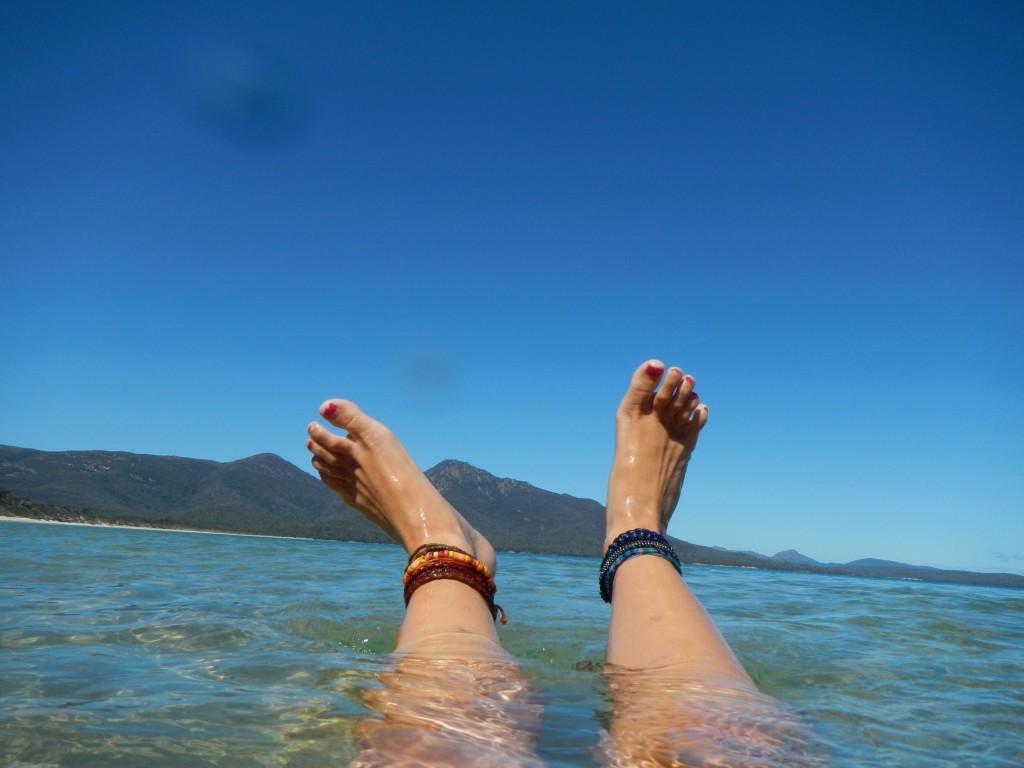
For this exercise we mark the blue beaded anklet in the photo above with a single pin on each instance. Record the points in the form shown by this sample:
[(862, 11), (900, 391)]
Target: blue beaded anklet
[(638, 541)]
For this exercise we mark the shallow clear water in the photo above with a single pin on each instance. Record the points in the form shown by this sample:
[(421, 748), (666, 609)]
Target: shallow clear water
[(133, 647)]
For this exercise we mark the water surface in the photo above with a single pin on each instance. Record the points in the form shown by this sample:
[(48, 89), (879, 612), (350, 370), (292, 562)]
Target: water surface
[(134, 647)]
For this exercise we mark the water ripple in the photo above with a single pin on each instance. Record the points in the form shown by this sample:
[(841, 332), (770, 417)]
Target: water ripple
[(119, 647)]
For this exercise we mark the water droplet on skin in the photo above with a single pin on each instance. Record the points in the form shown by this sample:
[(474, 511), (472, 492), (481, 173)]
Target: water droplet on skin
[(423, 523)]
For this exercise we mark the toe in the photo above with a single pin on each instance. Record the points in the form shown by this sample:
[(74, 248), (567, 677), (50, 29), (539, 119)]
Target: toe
[(700, 416), (334, 443), (348, 416), (641, 387), (682, 399), (686, 408), (343, 488), (685, 388), (325, 459), (667, 391), (683, 408)]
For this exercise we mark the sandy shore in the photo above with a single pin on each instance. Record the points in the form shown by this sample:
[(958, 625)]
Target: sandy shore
[(8, 519)]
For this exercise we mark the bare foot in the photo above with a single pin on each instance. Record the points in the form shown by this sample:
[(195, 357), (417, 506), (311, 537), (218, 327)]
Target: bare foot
[(656, 430), (373, 473)]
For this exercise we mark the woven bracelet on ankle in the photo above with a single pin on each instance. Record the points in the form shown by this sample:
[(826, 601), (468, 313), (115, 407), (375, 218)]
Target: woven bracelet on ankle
[(439, 561), (616, 551), (448, 571), (638, 541), (449, 554), (435, 548)]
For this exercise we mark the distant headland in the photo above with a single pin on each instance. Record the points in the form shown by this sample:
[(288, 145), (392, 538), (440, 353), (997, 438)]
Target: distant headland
[(266, 495)]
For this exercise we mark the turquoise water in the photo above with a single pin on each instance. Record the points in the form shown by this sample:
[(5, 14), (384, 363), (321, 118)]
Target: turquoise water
[(132, 647)]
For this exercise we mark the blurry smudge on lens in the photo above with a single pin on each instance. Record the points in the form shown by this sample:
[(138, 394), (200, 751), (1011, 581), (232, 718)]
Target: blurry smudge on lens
[(242, 93), (429, 371)]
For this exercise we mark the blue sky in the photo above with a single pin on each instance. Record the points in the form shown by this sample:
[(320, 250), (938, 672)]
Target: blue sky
[(475, 219)]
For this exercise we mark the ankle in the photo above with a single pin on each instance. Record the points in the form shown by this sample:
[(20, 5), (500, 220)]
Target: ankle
[(451, 537), (633, 512), (614, 532)]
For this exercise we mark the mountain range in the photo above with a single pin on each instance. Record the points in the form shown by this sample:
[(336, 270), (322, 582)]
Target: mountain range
[(264, 494)]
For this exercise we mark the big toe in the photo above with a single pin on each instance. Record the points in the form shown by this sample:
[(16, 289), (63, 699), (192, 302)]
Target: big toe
[(642, 385), (348, 416)]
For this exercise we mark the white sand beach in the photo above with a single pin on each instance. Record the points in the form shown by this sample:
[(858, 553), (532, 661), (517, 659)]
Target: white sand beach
[(15, 519)]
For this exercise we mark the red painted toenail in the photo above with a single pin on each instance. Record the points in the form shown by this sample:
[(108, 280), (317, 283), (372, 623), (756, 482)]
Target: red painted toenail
[(329, 410), (689, 378), (654, 371), (309, 444)]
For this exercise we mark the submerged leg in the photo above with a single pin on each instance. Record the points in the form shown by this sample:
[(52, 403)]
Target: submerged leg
[(454, 691)]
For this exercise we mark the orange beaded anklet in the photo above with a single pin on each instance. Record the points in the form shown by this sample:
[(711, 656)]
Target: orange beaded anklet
[(441, 561)]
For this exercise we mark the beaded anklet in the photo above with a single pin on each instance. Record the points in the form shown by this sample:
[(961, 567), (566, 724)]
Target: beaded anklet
[(638, 541), (429, 552), (441, 561)]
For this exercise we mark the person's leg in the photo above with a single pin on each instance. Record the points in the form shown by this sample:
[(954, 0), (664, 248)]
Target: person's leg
[(373, 473), (454, 693), (656, 620), (679, 695)]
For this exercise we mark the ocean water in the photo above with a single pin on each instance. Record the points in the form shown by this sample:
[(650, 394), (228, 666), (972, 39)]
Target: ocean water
[(151, 648)]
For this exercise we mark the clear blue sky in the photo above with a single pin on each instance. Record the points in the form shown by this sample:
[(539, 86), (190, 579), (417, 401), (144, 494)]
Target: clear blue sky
[(476, 218)]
